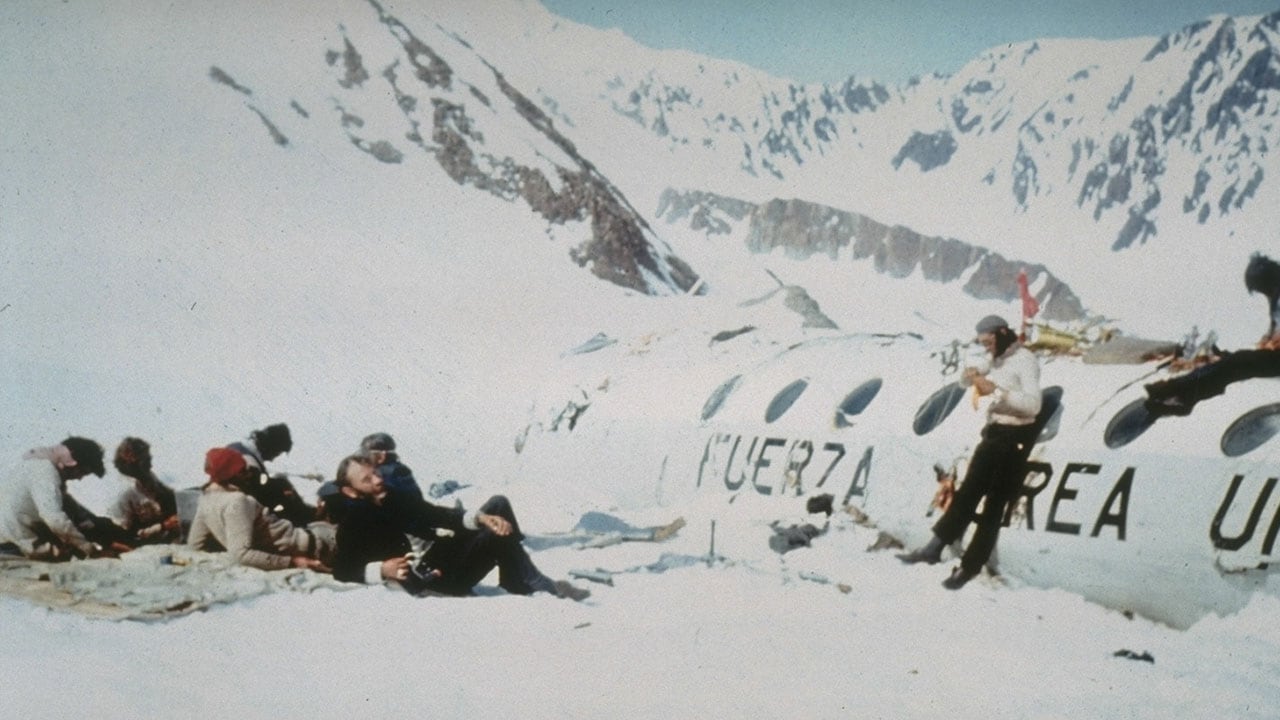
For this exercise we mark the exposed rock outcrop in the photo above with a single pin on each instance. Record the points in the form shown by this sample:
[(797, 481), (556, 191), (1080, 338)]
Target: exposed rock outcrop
[(803, 229), (447, 97)]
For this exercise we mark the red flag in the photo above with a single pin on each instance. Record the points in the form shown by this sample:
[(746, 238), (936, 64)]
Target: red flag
[(1029, 305)]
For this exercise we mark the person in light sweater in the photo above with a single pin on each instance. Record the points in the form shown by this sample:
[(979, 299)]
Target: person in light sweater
[(34, 506), (228, 520), (998, 466)]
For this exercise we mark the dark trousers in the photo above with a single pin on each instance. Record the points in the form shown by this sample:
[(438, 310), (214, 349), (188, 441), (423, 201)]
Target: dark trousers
[(467, 557), (1209, 380), (995, 472)]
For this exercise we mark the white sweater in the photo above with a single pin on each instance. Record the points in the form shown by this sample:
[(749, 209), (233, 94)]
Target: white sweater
[(1016, 375), (30, 495), (244, 528)]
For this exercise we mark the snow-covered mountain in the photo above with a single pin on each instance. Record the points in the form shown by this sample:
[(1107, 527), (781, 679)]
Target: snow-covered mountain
[(430, 218), (247, 198), (395, 89), (221, 218), (1139, 154)]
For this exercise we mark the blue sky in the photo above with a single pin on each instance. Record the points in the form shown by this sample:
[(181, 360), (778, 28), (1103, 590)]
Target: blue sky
[(828, 40)]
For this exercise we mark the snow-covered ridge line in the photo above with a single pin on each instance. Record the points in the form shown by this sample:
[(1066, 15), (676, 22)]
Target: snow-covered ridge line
[(1141, 149)]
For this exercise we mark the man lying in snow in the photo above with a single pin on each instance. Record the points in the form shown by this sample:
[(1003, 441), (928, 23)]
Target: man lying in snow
[(373, 547), (1177, 396), (37, 517), (228, 519)]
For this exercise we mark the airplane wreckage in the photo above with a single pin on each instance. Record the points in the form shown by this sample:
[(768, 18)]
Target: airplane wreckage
[(1172, 519)]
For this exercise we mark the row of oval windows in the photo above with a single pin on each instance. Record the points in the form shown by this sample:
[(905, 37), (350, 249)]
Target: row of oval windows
[(1245, 434)]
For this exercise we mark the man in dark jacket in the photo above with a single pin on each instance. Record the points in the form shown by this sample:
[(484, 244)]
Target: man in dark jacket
[(275, 492), (373, 547), (381, 448)]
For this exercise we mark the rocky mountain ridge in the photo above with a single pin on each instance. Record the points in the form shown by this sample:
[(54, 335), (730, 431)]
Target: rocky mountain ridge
[(804, 230), (1126, 138), (427, 105)]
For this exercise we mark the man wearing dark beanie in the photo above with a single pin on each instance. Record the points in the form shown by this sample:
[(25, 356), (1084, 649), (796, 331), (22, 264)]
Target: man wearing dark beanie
[(274, 491)]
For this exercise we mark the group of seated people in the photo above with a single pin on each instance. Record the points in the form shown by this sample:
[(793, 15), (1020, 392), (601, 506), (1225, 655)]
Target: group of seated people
[(371, 524)]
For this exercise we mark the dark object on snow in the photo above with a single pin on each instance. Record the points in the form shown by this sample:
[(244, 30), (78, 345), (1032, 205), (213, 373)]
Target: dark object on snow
[(784, 540), (1144, 656), (448, 487), (724, 335), (823, 503)]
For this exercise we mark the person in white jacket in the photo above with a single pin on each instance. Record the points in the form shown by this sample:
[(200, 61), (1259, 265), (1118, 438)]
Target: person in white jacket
[(33, 506), (229, 520), (998, 466)]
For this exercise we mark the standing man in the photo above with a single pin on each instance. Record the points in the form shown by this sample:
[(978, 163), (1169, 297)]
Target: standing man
[(373, 547), (998, 466), (34, 520)]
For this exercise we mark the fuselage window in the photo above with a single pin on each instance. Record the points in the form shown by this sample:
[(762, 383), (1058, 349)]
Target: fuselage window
[(937, 408), (1132, 420), (784, 400), (1251, 430), (857, 401), (1050, 417), (718, 396)]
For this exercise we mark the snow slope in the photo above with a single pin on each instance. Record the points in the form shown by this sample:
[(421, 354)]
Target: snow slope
[(167, 272)]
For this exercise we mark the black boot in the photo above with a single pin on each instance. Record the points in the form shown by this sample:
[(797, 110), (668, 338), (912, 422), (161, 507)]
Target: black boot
[(958, 578), (931, 553)]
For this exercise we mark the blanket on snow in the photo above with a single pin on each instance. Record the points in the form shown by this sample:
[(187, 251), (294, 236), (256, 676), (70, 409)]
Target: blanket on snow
[(153, 582)]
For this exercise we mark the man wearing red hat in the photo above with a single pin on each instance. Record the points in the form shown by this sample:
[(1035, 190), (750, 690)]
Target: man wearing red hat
[(227, 519)]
